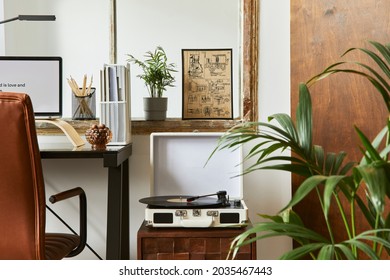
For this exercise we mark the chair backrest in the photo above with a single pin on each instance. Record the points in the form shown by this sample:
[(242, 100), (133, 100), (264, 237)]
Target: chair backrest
[(22, 193)]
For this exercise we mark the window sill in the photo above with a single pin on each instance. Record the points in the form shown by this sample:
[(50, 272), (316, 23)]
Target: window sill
[(142, 127)]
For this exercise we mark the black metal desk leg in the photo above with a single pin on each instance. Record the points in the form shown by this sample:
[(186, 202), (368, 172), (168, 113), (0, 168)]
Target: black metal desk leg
[(118, 243)]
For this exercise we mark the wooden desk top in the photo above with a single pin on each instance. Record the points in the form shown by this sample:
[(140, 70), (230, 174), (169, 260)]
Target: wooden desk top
[(112, 155)]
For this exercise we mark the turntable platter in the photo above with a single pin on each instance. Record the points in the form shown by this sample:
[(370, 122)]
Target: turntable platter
[(180, 202)]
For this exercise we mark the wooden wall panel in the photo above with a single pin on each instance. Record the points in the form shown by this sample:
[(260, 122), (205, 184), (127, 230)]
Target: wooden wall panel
[(321, 30)]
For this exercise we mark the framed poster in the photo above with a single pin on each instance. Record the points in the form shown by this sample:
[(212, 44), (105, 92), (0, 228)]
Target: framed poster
[(207, 84)]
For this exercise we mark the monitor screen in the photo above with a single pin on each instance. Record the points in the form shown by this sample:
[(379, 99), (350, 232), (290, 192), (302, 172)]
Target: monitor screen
[(39, 77)]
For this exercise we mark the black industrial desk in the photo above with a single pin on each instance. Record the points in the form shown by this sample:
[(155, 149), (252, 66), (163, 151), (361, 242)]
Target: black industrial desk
[(116, 159)]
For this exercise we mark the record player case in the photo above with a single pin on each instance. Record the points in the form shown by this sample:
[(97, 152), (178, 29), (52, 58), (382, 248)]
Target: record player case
[(179, 169), (190, 243)]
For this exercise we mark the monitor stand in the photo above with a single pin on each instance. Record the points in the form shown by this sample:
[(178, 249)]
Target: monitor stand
[(69, 130)]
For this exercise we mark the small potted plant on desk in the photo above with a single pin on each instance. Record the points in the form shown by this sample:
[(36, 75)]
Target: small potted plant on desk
[(157, 75)]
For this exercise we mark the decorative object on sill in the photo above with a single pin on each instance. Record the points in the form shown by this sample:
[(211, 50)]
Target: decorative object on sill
[(98, 136), (157, 75), (83, 100), (207, 84)]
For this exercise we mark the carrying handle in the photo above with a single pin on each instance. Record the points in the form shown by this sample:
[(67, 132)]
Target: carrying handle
[(198, 223)]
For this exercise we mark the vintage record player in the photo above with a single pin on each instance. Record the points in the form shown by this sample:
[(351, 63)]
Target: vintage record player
[(187, 192)]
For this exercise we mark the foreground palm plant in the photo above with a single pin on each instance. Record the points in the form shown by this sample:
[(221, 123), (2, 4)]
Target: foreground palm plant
[(324, 173)]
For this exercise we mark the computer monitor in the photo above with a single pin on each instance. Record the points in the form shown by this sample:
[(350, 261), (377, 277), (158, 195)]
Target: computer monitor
[(39, 77)]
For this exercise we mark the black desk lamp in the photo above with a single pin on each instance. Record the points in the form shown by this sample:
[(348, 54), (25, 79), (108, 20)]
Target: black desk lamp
[(31, 18)]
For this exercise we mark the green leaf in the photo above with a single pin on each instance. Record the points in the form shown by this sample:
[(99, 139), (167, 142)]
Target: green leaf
[(377, 84), (291, 217), (360, 241), (325, 73), (327, 252), (276, 218), (382, 49), (372, 153), (329, 163), (378, 77), (279, 229), (302, 251), (376, 181), (346, 168), (293, 168), (338, 162), (319, 155), (364, 248), (346, 250), (286, 122), (304, 120), (375, 58), (304, 189), (366, 212), (382, 135), (330, 184), (378, 239)]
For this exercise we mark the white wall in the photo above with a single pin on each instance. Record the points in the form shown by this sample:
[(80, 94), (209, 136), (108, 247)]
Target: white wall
[(200, 24), (272, 188), (79, 35), (264, 191), (2, 46)]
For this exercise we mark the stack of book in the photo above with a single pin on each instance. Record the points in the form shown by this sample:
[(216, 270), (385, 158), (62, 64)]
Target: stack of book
[(115, 102)]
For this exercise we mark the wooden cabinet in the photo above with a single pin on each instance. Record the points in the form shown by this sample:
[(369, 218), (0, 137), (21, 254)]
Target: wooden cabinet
[(189, 244)]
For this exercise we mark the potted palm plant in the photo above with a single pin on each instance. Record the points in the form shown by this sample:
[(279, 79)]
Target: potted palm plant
[(326, 174), (157, 75)]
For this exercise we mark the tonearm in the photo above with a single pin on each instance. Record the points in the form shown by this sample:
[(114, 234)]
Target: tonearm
[(222, 197)]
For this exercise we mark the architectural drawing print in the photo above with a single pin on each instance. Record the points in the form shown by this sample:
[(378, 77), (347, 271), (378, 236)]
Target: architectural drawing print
[(207, 84)]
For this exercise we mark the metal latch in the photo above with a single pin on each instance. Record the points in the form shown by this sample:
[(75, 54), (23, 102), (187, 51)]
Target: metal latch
[(196, 212), (212, 213), (181, 213)]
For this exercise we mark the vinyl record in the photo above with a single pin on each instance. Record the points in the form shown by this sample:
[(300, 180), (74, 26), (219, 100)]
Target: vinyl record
[(180, 202)]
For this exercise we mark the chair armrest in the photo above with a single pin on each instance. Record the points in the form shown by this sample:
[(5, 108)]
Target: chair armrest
[(66, 194), (83, 215)]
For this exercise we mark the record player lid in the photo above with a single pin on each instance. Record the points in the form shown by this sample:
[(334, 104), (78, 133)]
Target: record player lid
[(178, 163)]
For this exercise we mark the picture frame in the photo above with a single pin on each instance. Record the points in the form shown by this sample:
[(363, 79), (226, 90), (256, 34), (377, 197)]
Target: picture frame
[(207, 83)]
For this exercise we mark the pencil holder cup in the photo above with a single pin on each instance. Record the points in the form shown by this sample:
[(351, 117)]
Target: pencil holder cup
[(84, 106)]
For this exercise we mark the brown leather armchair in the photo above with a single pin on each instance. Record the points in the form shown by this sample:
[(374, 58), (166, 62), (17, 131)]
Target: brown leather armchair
[(22, 190)]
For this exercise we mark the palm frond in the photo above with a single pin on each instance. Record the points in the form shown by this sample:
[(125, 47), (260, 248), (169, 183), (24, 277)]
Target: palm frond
[(324, 172), (304, 120), (273, 229), (303, 251)]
